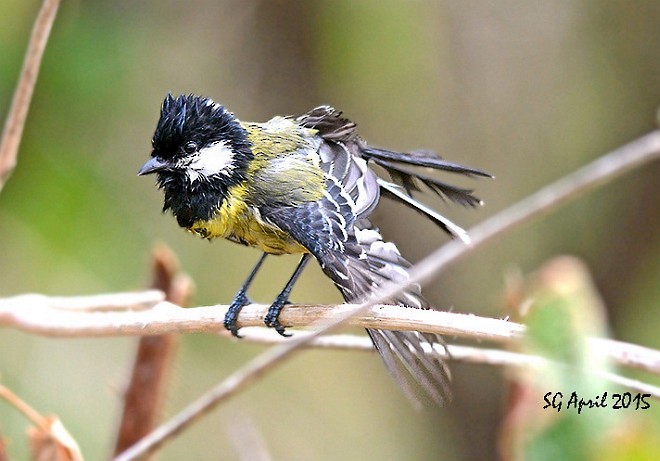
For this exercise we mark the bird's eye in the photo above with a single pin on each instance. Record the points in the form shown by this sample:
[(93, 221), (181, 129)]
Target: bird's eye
[(190, 147)]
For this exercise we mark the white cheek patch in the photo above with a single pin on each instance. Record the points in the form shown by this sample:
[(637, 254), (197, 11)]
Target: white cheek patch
[(217, 158)]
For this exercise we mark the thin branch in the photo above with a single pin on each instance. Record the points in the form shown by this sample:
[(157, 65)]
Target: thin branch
[(597, 172), (13, 131), (44, 315), (501, 331), (631, 353), (619, 353), (464, 354), (22, 406), (48, 438)]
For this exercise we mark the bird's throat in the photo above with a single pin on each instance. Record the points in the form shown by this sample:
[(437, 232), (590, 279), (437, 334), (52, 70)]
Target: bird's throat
[(193, 202)]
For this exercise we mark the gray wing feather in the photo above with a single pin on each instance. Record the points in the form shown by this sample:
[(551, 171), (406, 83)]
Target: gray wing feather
[(353, 254), (358, 266)]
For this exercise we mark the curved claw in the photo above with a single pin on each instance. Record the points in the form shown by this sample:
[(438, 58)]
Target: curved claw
[(272, 322), (230, 324), (271, 319), (280, 329), (233, 330), (232, 313)]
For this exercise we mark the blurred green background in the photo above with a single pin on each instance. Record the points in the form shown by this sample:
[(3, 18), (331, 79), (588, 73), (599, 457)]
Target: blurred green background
[(528, 91)]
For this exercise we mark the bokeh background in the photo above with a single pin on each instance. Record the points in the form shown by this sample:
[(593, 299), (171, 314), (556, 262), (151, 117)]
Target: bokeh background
[(527, 90)]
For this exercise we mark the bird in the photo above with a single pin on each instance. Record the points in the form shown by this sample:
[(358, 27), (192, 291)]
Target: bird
[(306, 185)]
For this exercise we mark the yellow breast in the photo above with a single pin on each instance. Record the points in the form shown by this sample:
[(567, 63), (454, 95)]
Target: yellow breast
[(241, 223)]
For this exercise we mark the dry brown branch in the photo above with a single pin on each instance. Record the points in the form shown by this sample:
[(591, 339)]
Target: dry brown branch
[(145, 394), (13, 131)]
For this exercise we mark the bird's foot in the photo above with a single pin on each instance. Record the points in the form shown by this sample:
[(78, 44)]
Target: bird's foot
[(235, 307), (271, 319)]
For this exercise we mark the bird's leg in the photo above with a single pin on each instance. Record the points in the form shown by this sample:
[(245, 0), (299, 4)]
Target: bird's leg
[(241, 299), (275, 308)]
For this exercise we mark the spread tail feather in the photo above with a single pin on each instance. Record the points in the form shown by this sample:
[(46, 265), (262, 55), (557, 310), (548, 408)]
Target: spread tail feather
[(405, 182), (423, 158), (377, 262), (405, 359), (394, 191)]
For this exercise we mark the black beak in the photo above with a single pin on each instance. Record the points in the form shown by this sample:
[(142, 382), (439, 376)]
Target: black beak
[(153, 165)]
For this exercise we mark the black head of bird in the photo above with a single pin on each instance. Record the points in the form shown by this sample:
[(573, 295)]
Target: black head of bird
[(199, 150)]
